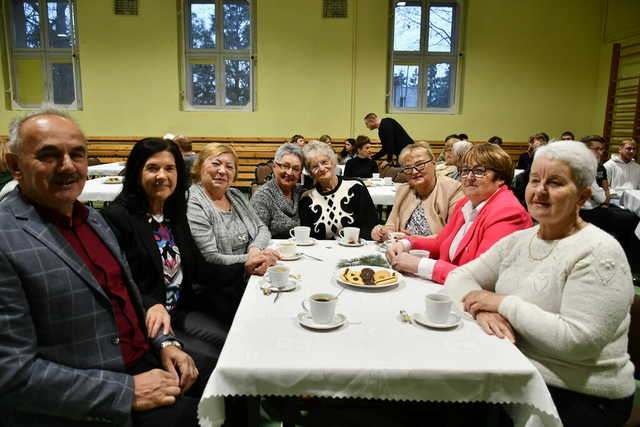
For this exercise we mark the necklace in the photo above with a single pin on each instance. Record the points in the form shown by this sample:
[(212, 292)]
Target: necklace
[(533, 258)]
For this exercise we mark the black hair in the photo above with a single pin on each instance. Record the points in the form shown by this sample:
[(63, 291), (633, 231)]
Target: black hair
[(133, 196)]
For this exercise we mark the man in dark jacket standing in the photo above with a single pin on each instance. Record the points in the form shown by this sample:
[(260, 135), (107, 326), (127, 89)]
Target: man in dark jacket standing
[(392, 136)]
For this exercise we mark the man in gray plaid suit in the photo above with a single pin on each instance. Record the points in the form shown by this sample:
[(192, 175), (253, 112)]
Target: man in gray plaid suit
[(73, 346)]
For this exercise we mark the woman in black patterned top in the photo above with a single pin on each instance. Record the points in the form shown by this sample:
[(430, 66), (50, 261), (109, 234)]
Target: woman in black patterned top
[(334, 202)]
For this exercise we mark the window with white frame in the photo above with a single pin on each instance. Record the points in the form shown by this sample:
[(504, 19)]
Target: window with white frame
[(43, 54), (218, 54), (425, 52)]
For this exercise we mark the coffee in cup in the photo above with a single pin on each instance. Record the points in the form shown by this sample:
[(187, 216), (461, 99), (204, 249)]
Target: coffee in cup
[(287, 249), (437, 307), (350, 235), (278, 275), (300, 233), (322, 307)]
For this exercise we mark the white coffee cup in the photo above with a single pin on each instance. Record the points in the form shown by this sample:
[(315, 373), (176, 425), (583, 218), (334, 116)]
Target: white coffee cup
[(322, 307), (388, 180), (419, 253), (394, 236), (375, 176), (300, 233), (287, 249), (437, 307), (278, 275), (350, 235)]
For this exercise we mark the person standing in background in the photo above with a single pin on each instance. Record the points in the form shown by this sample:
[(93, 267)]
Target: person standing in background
[(392, 136)]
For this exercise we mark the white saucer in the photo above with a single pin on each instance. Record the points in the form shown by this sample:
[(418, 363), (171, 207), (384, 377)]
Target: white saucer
[(309, 242), (292, 258), (291, 285), (453, 320), (306, 320), (351, 245)]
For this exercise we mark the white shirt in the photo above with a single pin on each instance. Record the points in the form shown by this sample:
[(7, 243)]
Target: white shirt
[(426, 265)]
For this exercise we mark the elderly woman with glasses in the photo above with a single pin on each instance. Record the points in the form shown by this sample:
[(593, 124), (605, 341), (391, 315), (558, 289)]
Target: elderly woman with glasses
[(276, 202), (334, 202), (562, 290), (422, 206), (487, 213)]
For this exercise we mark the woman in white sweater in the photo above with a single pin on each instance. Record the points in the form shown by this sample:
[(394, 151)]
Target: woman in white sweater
[(562, 290)]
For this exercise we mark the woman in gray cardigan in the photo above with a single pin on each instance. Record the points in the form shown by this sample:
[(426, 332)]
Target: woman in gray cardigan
[(276, 202), (224, 226)]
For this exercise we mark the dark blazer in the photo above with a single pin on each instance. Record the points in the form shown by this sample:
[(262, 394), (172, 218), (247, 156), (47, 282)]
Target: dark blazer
[(200, 278), (59, 348)]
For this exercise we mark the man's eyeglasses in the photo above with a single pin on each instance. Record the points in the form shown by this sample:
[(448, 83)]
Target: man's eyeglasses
[(287, 167), (418, 167), (478, 171)]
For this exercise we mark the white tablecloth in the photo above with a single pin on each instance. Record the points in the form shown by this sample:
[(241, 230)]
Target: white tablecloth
[(383, 194), (95, 190), (107, 169), (631, 201), (373, 356)]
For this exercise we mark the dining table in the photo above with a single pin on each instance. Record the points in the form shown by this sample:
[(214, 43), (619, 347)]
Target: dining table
[(630, 199), (106, 169), (100, 190), (374, 354)]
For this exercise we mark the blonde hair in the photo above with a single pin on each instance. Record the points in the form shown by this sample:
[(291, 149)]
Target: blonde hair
[(4, 149), (416, 146), (212, 149)]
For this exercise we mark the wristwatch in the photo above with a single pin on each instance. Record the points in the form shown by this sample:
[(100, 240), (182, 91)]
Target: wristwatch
[(167, 343)]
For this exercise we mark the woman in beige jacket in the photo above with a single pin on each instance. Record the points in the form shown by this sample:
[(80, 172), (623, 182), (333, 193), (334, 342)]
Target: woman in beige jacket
[(422, 206)]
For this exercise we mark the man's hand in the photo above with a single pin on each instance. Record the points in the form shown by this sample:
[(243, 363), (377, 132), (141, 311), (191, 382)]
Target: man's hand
[(157, 316), (495, 324), (180, 365), (154, 388), (476, 301)]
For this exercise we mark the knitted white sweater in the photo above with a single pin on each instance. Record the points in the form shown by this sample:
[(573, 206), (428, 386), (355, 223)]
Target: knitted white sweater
[(570, 310)]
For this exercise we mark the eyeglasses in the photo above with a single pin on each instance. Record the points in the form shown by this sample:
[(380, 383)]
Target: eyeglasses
[(287, 167), (478, 171), (418, 167), (322, 163)]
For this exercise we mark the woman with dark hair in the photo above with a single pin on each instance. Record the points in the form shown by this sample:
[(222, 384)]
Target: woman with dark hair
[(149, 221), (347, 152), (361, 166)]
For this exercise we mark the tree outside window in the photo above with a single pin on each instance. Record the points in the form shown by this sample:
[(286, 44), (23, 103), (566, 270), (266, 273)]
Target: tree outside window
[(43, 54), (219, 67), (424, 54)]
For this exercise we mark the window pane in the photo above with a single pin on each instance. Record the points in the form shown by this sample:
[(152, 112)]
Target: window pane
[(60, 31), (441, 28), (203, 84), (406, 28), (64, 91), (26, 23), (237, 24), (203, 25), (30, 81), (405, 86), (439, 85), (237, 78)]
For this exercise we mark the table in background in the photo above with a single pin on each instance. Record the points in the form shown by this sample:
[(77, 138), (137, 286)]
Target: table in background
[(383, 195), (106, 169), (95, 190), (631, 201), (373, 356)]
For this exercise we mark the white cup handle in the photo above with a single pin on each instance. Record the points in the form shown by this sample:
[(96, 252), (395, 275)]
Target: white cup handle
[(303, 306), (291, 233)]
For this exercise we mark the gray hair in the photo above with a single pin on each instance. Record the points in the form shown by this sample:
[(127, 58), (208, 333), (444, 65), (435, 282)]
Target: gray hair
[(16, 124), (289, 148), (460, 148), (576, 155), (317, 148)]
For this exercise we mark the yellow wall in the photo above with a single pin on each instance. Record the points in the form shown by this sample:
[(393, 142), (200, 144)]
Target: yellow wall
[(529, 65)]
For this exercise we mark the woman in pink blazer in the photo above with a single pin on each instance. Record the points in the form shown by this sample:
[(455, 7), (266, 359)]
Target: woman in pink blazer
[(488, 212)]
